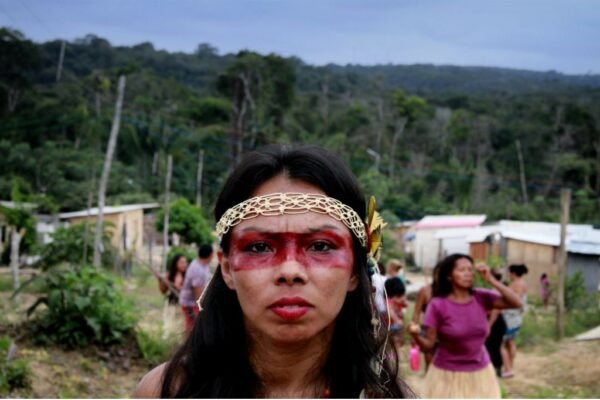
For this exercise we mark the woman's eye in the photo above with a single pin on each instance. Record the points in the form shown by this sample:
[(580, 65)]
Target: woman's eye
[(320, 246), (259, 247)]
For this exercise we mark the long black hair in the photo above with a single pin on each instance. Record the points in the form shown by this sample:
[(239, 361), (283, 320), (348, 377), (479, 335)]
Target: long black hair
[(518, 269), (214, 360), (442, 285)]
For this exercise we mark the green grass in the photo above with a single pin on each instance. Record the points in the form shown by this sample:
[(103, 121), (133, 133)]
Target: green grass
[(539, 325)]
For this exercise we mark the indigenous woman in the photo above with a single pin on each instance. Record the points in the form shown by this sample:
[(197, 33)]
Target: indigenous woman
[(456, 319), (175, 277), (289, 311), (170, 285)]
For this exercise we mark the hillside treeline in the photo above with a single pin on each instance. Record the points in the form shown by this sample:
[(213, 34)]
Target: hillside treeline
[(424, 139)]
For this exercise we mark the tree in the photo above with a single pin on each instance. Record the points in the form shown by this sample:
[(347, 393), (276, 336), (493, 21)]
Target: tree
[(18, 58), (187, 221)]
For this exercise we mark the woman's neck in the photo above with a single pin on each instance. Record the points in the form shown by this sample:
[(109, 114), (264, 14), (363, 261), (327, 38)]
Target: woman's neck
[(460, 294), (291, 370)]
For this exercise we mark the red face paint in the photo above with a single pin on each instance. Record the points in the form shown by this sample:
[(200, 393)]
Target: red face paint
[(255, 249)]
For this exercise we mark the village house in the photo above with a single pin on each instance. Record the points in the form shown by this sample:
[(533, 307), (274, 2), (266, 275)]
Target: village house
[(536, 244), (126, 223), (426, 247)]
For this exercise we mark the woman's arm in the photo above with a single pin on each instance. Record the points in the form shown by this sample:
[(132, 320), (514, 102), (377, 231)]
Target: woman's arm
[(509, 298), (416, 317), (427, 342)]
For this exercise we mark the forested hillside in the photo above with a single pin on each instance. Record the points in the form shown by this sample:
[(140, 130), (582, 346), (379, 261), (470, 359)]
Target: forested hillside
[(422, 138)]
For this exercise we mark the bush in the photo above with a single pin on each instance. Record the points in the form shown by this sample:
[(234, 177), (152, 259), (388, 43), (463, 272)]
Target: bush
[(68, 246), (575, 294), (187, 221), (14, 373), (83, 307)]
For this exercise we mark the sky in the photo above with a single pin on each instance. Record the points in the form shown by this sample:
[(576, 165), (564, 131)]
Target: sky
[(542, 35)]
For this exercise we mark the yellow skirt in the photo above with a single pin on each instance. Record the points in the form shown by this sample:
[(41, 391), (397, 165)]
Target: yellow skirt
[(440, 383)]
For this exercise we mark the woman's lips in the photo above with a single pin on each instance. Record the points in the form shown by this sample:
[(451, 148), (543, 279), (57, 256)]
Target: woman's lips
[(290, 308)]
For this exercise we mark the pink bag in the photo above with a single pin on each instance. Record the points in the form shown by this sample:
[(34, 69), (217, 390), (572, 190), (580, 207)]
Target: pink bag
[(415, 358)]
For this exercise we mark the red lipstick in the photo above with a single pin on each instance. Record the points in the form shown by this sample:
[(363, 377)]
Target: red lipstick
[(290, 308)]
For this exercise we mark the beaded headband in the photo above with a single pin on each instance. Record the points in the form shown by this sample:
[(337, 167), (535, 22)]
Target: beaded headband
[(292, 203)]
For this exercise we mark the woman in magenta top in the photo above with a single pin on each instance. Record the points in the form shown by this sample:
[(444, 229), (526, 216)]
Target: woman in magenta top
[(456, 320)]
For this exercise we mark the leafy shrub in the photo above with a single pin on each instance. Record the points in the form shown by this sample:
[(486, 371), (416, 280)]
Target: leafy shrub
[(68, 246), (576, 295), (187, 221), (14, 373), (83, 307)]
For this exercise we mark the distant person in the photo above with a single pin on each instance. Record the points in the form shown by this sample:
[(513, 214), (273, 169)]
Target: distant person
[(513, 318), (396, 305), (456, 319), (175, 277), (395, 268), (545, 289), (196, 279), (423, 298), (171, 288), (493, 343)]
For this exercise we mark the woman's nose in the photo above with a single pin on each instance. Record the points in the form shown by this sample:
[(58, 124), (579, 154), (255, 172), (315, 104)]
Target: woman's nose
[(291, 271)]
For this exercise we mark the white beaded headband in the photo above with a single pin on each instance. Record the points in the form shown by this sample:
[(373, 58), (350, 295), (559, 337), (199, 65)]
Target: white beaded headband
[(293, 203)]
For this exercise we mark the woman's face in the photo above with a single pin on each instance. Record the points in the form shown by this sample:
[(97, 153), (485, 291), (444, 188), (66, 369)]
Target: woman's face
[(182, 264), (462, 274), (291, 273)]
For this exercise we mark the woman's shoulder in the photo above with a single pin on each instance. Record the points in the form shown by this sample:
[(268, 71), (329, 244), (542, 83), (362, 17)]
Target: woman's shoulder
[(150, 385)]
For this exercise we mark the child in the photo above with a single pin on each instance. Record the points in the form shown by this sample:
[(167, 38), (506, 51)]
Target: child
[(396, 304)]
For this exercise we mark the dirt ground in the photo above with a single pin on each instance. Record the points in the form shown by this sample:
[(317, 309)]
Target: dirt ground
[(561, 370)]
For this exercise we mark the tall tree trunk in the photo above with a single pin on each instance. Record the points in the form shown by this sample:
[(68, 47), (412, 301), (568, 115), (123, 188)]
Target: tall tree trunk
[(380, 125), (112, 143), (61, 58), (199, 178), (324, 104), (400, 125), (166, 210), (522, 172), (16, 236)]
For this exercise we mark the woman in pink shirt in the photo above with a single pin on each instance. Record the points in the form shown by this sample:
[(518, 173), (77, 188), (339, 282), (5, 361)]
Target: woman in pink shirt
[(456, 320)]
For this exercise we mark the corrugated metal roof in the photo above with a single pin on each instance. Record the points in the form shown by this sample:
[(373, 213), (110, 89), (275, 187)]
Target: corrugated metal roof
[(107, 210), (450, 221)]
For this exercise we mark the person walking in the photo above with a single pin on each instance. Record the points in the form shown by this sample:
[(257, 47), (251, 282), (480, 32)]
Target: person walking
[(545, 289), (196, 279), (456, 319), (513, 318), (493, 343)]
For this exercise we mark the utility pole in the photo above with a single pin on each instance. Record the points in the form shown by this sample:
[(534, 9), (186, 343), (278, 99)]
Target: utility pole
[(565, 204), (112, 143), (61, 58), (199, 179), (522, 172), (166, 214)]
